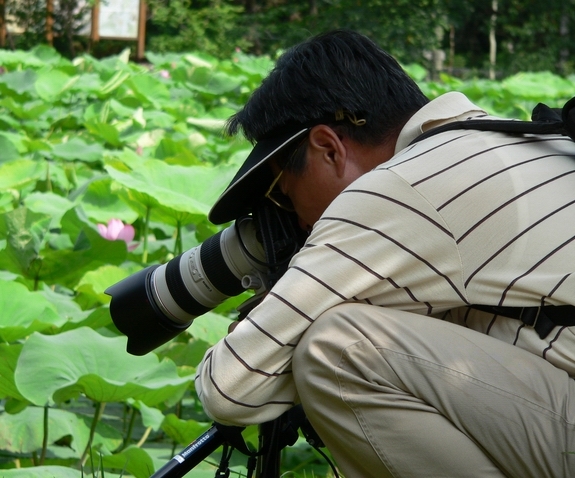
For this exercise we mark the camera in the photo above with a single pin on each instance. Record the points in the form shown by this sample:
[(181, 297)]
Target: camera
[(159, 302)]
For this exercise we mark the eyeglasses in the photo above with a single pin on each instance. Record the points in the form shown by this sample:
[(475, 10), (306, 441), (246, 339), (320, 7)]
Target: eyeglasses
[(274, 194), (277, 197)]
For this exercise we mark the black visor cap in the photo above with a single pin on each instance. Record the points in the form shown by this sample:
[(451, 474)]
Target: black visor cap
[(253, 178)]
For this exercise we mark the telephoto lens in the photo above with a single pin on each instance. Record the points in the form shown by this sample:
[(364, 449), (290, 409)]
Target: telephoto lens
[(154, 305)]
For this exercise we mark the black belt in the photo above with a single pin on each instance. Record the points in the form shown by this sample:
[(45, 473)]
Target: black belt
[(542, 319)]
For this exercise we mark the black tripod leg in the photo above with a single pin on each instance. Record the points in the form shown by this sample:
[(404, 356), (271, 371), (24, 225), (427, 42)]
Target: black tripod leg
[(269, 462), (193, 454)]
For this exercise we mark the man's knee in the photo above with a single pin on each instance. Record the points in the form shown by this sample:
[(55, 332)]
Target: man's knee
[(359, 334), (319, 351), (327, 330)]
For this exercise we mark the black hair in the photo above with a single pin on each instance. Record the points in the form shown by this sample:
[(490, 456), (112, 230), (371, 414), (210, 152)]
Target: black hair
[(336, 78)]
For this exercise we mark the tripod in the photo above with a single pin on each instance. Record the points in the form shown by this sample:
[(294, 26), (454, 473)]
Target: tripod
[(273, 437)]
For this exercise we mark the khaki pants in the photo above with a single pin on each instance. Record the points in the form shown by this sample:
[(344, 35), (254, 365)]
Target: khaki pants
[(397, 394)]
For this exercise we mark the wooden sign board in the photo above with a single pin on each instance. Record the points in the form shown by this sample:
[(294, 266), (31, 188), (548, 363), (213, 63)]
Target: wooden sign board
[(118, 20)]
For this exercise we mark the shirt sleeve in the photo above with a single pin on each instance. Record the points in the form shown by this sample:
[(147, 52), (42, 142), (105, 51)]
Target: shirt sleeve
[(379, 242)]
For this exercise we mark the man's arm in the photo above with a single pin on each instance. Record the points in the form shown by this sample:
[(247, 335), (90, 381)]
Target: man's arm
[(390, 250)]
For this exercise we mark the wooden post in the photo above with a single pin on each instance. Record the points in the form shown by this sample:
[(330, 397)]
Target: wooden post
[(2, 23), (50, 22), (95, 29), (141, 49)]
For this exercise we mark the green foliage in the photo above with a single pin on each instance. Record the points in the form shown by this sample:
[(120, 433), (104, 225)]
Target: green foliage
[(182, 25), (531, 35), (402, 27), (86, 141), (68, 18)]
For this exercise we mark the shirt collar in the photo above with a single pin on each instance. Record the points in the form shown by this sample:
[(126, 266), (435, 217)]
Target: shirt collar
[(452, 106)]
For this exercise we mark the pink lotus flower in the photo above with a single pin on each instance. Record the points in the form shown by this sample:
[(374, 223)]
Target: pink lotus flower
[(116, 230), (165, 74)]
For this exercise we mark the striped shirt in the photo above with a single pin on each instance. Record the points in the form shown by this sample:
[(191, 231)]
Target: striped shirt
[(464, 217)]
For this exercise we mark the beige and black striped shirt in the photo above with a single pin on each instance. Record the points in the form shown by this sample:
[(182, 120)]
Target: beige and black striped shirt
[(464, 217)]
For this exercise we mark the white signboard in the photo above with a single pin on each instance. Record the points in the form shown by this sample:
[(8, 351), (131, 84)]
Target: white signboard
[(119, 19)]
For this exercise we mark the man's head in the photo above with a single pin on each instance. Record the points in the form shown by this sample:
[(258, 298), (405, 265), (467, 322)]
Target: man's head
[(339, 79)]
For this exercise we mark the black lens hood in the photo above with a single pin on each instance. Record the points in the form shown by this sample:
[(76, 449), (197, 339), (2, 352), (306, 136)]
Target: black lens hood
[(136, 315)]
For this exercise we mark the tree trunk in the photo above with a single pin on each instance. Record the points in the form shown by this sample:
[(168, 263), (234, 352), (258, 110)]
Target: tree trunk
[(250, 6), (313, 7), (451, 48), (564, 35), (2, 23), (492, 40), (50, 22)]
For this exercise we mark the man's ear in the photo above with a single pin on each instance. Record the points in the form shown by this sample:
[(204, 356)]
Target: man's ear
[(326, 145)]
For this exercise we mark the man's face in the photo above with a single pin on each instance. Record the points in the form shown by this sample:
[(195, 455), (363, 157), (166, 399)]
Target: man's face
[(309, 192), (330, 167)]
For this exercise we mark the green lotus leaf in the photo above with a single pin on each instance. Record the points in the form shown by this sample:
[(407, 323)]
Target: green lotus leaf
[(18, 174), (211, 124), (101, 202), (151, 417), (538, 86), (23, 432), (18, 140), (148, 89), (87, 83), (90, 251), (176, 152), (133, 460), (258, 66), (48, 55), (83, 361), (51, 84), (97, 318), (210, 327), (27, 110), (183, 431), (76, 149), (163, 60), (95, 282), (185, 353), (114, 82), (213, 82), (20, 81), (197, 59), (21, 58), (50, 204), (24, 232), (9, 354), (104, 131), (9, 150), (189, 189), (42, 472), (140, 202), (24, 312), (65, 305)]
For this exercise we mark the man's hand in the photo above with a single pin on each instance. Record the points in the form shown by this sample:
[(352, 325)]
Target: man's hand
[(232, 326)]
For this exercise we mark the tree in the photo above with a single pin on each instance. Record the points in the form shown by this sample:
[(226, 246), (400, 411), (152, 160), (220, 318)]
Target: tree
[(481, 38)]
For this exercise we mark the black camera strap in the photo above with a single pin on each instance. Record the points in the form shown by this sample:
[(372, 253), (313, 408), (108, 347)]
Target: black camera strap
[(544, 120)]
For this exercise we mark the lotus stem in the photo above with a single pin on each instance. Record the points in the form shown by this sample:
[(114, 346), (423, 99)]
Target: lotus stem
[(128, 436), (97, 415), (145, 234), (45, 437), (178, 246)]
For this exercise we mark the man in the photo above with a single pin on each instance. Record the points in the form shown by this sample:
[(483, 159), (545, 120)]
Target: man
[(370, 327)]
